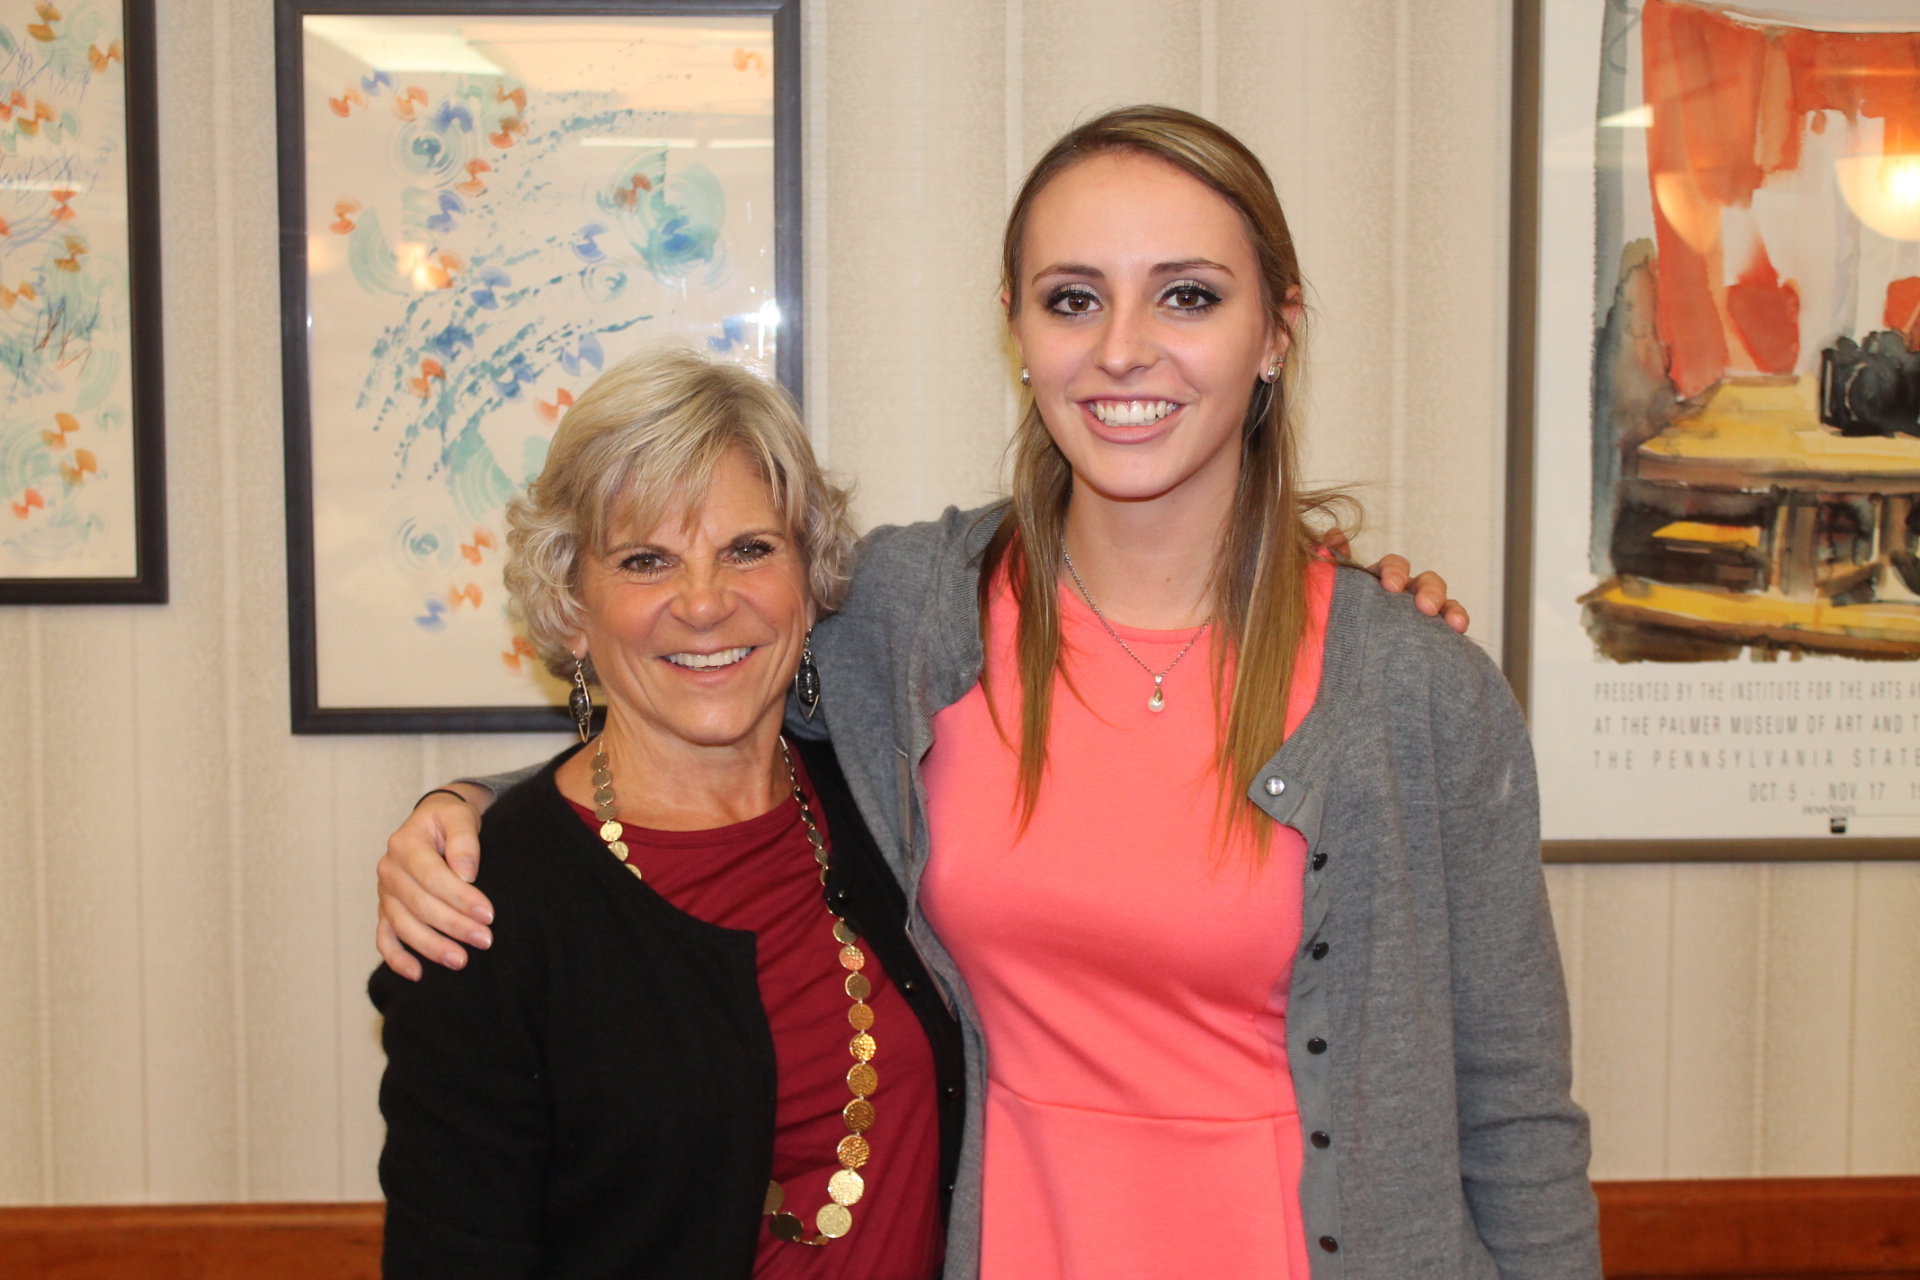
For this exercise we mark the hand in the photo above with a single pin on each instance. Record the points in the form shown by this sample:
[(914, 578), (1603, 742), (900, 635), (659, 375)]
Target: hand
[(427, 898), (1429, 589)]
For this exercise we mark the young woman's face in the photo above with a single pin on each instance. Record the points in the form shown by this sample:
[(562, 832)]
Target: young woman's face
[(695, 627), (1142, 325)]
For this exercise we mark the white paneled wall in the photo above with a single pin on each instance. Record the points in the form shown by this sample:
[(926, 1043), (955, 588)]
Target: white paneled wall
[(186, 889), (1745, 1020)]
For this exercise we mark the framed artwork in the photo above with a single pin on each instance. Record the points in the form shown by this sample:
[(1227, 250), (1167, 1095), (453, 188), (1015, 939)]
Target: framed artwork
[(483, 206), (1713, 591), (82, 454)]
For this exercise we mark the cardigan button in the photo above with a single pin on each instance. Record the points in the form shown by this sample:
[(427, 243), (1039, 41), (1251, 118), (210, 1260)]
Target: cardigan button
[(1320, 1139), (1319, 951), (1329, 1244), (906, 985), (1275, 786), (1316, 1045), (953, 1091), (1319, 861), (840, 896)]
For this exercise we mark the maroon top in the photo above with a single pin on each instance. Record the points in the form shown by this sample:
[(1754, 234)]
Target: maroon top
[(760, 876)]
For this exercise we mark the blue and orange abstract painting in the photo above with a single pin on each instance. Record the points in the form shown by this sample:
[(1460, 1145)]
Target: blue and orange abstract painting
[(66, 441), (497, 209)]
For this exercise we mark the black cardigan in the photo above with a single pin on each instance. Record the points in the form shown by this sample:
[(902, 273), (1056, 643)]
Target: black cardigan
[(594, 1096)]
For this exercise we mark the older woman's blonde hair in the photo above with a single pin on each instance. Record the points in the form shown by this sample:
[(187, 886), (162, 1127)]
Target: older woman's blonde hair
[(642, 440)]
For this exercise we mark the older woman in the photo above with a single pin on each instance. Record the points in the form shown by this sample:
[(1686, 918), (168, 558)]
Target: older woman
[(699, 996)]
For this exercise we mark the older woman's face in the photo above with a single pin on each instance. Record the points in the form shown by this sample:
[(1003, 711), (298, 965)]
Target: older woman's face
[(695, 627)]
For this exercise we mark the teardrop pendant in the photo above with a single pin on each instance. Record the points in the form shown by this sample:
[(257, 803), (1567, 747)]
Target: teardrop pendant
[(1159, 699)]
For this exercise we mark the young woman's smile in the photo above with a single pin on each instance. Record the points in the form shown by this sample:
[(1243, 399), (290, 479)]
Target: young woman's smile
[(1130, 421)]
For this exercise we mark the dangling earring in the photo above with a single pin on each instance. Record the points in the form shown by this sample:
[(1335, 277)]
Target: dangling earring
[(578, 702), (1026, 379), (806, 681)]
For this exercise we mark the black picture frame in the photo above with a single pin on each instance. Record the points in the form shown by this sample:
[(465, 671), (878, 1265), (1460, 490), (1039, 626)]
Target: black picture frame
[(308, 716), (148, 585), (1517, 614)]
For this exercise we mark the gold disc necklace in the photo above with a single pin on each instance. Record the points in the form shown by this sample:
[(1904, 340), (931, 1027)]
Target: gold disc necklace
[(844, 1189)]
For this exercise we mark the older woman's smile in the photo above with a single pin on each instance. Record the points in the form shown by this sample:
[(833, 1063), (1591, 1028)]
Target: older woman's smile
[(710, 661)]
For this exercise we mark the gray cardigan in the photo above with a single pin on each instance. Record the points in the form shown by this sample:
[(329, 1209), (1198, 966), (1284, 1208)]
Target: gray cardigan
[(1444, 1140)]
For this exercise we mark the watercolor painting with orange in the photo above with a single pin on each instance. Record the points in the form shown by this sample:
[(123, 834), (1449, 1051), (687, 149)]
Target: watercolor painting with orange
[(1756, 376), (66, 392), (497, 209)]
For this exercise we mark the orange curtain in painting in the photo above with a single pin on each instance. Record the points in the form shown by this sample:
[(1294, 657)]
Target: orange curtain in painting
[(1731, 104)]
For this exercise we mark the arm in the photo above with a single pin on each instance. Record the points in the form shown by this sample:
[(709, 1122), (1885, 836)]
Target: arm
[(1524, 1143), (427, 898), (468, 1136), (428, 904)]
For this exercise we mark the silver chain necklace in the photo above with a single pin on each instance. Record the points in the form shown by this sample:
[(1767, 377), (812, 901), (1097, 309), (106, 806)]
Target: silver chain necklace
[(1159, 698)]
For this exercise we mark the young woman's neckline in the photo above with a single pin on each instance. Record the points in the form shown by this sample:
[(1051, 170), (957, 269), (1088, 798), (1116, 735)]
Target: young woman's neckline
[(1074, 610)]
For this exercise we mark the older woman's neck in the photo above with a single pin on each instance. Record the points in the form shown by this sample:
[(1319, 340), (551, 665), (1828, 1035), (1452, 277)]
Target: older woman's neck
[(669, 784)]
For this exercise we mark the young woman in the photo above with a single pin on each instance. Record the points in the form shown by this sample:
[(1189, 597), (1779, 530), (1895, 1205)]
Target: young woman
[(1227, 861)]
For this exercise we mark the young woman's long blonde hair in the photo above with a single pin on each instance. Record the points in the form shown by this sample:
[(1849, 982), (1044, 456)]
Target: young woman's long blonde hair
[(1259, 574)]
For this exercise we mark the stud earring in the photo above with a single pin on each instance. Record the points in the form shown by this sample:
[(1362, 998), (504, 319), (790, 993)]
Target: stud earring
[(578, 702), (1026, 379), (1273, 370)]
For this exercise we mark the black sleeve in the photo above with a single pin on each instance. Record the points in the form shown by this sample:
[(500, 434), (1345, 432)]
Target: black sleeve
[(468, 1125)]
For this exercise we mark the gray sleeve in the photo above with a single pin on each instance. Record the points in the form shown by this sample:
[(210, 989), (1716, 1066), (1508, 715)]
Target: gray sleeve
[(797, 724), (831, 632), (498, 782), (1524, 1143)]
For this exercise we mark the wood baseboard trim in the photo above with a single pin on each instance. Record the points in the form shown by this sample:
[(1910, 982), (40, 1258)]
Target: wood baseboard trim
[(1723, 1229), (193, 1242), (1762, 1229)]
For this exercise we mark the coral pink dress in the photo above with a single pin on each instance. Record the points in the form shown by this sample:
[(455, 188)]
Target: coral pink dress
[(1131, 976)]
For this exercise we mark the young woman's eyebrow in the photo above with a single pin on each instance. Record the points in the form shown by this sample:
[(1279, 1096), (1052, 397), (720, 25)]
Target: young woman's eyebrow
[(1069, 269), (1159, 269), (1191, 264)]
